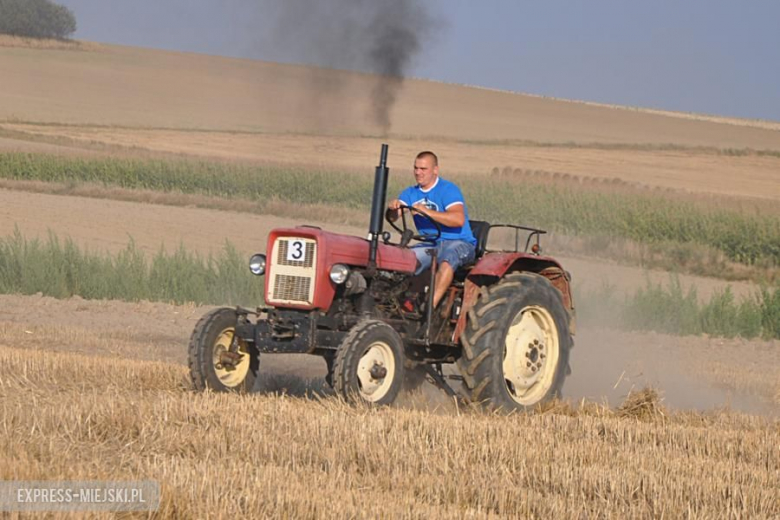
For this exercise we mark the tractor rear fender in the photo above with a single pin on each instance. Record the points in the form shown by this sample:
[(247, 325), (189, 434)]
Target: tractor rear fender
[(494, 266)]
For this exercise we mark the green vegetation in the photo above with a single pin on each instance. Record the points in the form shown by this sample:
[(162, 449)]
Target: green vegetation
[(36, 19), (745, 238), (62, 269), (669, 309)]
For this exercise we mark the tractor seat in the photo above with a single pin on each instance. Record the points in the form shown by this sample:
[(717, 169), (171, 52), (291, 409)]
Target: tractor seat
[(480, 230)]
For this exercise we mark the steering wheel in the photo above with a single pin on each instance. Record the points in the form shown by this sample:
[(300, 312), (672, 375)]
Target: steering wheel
[(407, 234)]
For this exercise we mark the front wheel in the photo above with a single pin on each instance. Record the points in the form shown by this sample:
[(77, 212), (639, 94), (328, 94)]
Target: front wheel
[(218, 359), (369, 364), (516, 347)]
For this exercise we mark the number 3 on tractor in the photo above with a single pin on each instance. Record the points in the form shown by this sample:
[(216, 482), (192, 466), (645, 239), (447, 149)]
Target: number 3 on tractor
[(296, 251)]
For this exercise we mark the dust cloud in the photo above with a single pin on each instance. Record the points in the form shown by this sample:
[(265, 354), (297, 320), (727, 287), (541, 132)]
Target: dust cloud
[(608, 365), (379, 37)]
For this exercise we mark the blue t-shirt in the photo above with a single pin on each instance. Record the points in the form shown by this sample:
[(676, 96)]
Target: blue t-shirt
[(440, 197)]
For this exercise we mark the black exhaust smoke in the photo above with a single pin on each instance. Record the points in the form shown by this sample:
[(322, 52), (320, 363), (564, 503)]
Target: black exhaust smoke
[(378, 36)]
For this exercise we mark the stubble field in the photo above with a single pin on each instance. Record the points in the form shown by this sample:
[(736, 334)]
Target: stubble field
[(221, 456), (98, 389)]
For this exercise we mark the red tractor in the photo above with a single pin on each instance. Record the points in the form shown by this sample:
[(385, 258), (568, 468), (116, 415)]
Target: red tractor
[(506, 321)]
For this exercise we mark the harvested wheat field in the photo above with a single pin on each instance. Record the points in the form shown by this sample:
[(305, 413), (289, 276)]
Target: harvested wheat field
[(221, 456), (651, 425)]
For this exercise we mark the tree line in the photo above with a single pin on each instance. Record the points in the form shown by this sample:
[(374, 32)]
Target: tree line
[(36, 19)]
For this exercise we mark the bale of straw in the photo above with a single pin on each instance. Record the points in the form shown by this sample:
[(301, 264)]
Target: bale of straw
[(644, 405)]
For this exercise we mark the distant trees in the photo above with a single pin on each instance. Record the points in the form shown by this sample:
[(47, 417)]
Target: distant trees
[(36, 19)]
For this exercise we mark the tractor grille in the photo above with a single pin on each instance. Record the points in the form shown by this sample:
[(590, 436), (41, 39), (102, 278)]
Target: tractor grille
[(292, 288), (292, 271)]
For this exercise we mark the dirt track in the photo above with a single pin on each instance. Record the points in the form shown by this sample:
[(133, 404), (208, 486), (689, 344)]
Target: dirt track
[(689, 372)]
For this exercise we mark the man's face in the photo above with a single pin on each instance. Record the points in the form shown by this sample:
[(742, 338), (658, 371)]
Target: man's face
[(425, 172)]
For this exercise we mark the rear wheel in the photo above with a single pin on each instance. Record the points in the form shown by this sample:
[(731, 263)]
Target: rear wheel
[(516, 347), (218, 360), (369, 364)]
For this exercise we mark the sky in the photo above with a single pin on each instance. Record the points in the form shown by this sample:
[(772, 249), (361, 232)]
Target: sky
[(715, 57)]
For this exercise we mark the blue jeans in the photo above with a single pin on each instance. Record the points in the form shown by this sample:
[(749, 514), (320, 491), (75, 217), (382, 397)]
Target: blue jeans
[(454, 252)]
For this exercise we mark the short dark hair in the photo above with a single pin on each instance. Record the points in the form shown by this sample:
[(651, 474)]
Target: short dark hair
[(430, 154)]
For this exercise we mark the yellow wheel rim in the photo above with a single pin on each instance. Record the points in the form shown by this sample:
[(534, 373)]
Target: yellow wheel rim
[(230, 376), (375, 372), (531, 355)]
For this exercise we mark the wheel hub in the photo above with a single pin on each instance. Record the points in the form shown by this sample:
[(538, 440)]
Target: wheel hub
[(535, 357), (231, 367), (378, 372), (375, 371), (229, 360), (531, 338)]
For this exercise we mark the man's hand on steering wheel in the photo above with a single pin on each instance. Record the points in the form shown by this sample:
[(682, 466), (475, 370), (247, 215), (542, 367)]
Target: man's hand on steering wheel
[(402, 209)]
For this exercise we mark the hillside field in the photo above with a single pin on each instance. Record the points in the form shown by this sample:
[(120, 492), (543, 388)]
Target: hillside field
[(651, 425)]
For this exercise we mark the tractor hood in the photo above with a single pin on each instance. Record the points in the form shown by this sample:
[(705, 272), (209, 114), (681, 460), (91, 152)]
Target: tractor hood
[(300, 258), (335, 248)]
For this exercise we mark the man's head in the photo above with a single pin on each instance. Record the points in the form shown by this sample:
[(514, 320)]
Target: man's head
[(426, 169)]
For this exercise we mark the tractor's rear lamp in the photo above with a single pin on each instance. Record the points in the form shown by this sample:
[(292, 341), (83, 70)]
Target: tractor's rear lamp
[(257, 264), (339, 273)]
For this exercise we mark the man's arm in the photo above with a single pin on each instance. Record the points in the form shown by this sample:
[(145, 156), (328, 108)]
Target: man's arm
[(454, 216)]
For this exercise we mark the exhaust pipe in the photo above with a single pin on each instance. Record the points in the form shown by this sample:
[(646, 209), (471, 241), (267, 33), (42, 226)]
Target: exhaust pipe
[(376, 225)]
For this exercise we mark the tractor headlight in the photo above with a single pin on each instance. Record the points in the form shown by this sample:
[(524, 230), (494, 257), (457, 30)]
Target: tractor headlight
[(339, 273), (257, 264)]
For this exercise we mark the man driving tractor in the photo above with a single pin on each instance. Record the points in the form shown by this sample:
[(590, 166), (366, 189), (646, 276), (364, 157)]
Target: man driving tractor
[(505, 318), (442, 201)]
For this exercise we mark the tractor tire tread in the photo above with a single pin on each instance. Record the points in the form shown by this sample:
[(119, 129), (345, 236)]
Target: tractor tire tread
[(489, 318), (345, 356), (195, 353)]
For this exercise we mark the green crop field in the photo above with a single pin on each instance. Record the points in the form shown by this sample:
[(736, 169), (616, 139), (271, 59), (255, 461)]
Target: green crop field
[(671, 310), (747, 238), (61, 269)]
